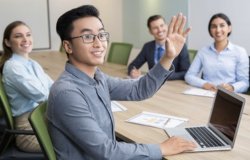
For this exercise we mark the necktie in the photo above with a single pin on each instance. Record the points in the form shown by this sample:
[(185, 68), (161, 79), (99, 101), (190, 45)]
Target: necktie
[(160, 52)]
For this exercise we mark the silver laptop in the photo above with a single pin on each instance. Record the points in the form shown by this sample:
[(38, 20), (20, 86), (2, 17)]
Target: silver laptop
[(221, 130)]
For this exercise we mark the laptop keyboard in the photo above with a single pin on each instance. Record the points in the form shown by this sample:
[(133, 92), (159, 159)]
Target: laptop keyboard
[(204, 137)]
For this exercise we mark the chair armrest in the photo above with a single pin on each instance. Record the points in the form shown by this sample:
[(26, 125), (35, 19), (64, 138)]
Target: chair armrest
[(20, 132)]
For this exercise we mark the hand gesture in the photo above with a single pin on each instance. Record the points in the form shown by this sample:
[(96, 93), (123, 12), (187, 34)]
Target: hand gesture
[(176, 36)]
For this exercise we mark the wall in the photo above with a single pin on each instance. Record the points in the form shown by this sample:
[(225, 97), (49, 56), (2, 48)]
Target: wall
[(110, 12), (57, 8), (136, 13), (36, 17)]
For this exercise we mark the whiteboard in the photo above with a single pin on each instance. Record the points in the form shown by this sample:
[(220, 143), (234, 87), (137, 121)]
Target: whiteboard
[(35, 13)]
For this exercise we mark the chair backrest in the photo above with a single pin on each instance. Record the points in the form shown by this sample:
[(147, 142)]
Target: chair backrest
[(39, 124), (7, 115), (119, 53), (8, 150), (5, 138), (192, 53), (61, 49), (5, 107)]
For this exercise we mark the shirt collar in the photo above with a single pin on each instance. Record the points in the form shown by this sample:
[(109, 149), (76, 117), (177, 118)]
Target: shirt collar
[(229, 47), (157, 45), (20, 58), (79, 74)]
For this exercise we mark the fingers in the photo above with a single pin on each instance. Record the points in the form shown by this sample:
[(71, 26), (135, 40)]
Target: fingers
[(185, 33), (185, 144), (175, 145), (182, 22), (227, 86), (171, 25), (135, 73), (177, 25), (209, 86)]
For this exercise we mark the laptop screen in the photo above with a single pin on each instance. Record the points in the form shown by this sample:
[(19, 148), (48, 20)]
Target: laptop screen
[(226, 112)]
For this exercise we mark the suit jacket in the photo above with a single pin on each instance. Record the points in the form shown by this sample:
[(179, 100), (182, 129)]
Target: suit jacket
[(181, 62)]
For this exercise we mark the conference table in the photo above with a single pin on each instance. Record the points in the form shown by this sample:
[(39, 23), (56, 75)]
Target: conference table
[(169, 100)]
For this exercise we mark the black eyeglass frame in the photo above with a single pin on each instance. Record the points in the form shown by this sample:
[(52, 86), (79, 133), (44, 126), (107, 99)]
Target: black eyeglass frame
[(94, 35)]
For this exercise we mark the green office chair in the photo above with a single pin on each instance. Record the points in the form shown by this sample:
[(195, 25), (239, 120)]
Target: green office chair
[(192, 53), (61, 49), (119, 53), (39, 124), (8, 149)]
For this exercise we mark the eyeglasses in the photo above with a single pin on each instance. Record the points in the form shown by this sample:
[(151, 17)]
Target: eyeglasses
[(90, 38)]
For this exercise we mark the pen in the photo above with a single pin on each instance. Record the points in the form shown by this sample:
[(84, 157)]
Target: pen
[(166, 122)]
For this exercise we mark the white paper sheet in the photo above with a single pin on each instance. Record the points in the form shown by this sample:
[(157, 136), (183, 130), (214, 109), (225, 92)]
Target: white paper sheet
[(117, 107), (157, 120), (199, 92)]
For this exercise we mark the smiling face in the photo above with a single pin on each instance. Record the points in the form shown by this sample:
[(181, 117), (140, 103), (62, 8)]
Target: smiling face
[(158, 29), (20, 40), (86, 56), (220, 30)]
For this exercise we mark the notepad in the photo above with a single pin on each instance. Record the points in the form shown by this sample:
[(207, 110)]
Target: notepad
[(157, 120), (199, 92)]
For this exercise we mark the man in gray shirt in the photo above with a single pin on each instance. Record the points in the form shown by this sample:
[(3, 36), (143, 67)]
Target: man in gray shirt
[(79, 114)]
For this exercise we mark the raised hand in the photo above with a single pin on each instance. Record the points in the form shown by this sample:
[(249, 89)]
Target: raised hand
[(176, 36)]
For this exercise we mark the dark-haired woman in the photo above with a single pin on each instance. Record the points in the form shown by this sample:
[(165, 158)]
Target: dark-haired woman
[(222, 63)]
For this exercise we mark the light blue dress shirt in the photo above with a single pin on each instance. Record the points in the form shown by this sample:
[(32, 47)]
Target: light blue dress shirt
[(229, 66), (25, 84)]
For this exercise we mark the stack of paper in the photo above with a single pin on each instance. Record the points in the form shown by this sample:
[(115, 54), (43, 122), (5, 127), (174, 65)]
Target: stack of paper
[(157, 120)]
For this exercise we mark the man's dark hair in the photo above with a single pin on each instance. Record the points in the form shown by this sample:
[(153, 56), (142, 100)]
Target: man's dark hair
[(64, 23), (153, 18)]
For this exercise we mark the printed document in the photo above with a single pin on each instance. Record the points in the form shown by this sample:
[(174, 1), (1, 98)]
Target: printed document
[(157, 120)]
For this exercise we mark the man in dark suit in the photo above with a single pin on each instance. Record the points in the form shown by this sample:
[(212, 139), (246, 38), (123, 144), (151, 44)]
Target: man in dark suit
[(153, 50)]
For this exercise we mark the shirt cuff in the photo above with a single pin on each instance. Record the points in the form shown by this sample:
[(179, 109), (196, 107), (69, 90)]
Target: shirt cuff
[(240, 87), (154, 151)]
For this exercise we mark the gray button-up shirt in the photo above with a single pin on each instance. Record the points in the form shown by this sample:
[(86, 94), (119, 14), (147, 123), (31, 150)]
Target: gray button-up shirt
[(81, 122)]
